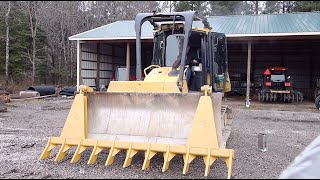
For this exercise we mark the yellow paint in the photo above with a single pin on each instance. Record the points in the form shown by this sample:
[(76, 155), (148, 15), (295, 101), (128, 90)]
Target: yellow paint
[(161, 74), (169, 151), (145, 70), (76, 123), (206, 30), (142, 86), (202, 140), (75, 132), (157, 81), (84, 89), (228, 84), (208, 79)]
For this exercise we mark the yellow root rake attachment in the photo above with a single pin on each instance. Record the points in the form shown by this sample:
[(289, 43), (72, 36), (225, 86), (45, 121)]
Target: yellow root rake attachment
[(168, 123), (169, 151)]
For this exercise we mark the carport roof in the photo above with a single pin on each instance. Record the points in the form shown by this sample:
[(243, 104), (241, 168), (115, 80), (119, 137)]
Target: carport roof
[(302, 23)]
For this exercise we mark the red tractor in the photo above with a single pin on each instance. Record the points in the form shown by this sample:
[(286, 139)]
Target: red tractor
[(278, 87)]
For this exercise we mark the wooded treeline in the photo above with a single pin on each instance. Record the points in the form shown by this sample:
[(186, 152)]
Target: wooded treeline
[(34, 45)]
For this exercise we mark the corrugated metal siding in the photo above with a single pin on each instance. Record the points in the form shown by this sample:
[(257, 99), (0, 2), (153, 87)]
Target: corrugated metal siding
[(88, 64), (300, 72), (301, 57), (105, 64), (316, 65), (108, 59), (237, 63), (239, 24), (106, 49)]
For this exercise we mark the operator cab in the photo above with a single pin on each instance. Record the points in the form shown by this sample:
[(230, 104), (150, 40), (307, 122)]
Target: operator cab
[(172, 34), (168, 46)]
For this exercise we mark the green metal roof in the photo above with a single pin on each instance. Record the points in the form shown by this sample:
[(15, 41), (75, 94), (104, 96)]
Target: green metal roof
[(302, 23)]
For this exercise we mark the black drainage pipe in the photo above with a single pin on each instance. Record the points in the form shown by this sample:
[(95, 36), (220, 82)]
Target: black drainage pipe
[(68, 91), (43, 90)]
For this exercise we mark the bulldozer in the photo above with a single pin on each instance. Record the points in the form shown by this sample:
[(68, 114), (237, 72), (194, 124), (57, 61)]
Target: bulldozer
[(161, 113), (277, 86)]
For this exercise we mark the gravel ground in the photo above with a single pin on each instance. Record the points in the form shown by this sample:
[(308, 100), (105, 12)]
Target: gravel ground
[(26, 126)]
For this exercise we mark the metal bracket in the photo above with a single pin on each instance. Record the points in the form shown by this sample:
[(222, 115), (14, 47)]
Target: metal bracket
[(84, 89), (206, 89)]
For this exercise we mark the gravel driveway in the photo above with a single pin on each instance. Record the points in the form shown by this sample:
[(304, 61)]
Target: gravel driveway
[(26, 126)]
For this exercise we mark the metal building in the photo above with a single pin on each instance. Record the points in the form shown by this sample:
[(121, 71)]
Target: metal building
[(255, 42)]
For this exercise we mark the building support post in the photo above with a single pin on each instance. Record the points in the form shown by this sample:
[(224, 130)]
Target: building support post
[(78, 65), (98, 68), (128, 61), (248, 75)]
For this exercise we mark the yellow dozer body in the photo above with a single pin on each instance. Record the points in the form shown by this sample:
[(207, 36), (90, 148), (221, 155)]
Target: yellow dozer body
[(155, 115)]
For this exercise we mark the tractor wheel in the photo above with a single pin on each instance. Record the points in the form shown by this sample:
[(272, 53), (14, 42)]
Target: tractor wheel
[(284, 97), (289, 98), (297, 96), (292, 97), (317, 102), (300, 96)]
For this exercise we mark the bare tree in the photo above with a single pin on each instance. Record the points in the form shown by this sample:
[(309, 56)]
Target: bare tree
[(33, 19), (287, 6), (167, 6), (7, 44), (256, 9), (33, 10), (60, 20), (255, 6)]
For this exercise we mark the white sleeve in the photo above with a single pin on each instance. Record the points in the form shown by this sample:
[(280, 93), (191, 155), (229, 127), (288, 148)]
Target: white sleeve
[(306, 165)]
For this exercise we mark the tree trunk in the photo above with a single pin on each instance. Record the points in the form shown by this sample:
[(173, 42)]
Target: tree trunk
[(33, 27), (70, 67), (257, 7), (63, 44), (7, 45), (73, 53), (288, 7), (33, 59)]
